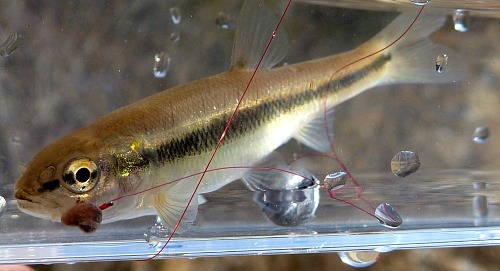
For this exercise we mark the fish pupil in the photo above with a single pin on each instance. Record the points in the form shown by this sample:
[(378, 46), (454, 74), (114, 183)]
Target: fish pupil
[(82, 175)]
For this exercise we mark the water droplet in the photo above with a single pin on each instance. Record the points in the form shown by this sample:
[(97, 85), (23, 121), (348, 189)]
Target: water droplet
[(359, 258), (175, 36), (16, 140), (3, 205), (388, 216), (11, 44), (335, 180), (461, 20), (175, 12), (405, 163), (480, 206), (441, 63), (225, 21), (162, 64), (420, 2), (481, 134), (153, 234), (388, 248), (153, 240)]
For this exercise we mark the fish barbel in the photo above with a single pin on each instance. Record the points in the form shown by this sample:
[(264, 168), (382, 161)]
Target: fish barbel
[(173, 133)]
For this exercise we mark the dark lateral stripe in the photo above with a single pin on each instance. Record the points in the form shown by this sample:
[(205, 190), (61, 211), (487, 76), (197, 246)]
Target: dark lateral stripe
[(246, 120)]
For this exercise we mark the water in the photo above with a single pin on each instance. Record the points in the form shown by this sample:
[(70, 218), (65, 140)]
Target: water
[(56, 82), (388, 216), (3, 205), (175, 36), (441, 63), (335, 180), (359, 259), (175, 12), (420, 2), (225, 21), (480, 206), (461, 20), (11, 44), (154, 233), (481, 134), (161, 64)]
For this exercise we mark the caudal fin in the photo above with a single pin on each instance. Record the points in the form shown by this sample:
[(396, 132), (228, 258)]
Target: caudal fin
[(413, 57)]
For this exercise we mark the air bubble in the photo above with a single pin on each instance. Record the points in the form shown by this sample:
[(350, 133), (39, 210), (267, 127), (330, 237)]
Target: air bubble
[(405, 163), (3, 206), (441, 63), (225, 21), (11, 44), (162, 64), (175, 36), (420, 2), (481, 134), (153, 234), (388, 216), (479, 185), (480, 206), (335, 180), (16, 140), (175, 12), (359, 259), (153, 240), (461, 20)]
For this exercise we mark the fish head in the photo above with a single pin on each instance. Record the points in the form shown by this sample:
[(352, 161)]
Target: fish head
[(63, 174)]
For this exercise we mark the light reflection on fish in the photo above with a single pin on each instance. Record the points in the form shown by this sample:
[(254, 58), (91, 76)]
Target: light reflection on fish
[(173, 133)]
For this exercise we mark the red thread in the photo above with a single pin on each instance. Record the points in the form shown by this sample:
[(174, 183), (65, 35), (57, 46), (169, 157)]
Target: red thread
[(225, 130), (335, 157)]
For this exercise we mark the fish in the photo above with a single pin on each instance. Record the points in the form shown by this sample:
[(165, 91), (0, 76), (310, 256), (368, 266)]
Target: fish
[(173, 133)]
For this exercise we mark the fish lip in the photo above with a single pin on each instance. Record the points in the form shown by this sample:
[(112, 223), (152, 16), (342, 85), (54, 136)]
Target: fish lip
[(22, 195), (24, 199)]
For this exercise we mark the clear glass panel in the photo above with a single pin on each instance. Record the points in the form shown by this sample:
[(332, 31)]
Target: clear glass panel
[(78, 61)]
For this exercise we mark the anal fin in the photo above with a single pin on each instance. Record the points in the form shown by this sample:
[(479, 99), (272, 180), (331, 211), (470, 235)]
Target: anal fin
[(318, 132)]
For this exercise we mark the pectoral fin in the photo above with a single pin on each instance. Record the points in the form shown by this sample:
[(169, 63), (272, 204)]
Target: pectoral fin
[(171, 203)]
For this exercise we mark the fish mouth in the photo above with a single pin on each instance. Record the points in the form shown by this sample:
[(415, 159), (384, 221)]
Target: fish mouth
[(22, 195), (25, 200)]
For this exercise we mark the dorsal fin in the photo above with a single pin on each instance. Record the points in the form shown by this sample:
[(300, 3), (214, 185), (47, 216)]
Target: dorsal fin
[(256, 24)]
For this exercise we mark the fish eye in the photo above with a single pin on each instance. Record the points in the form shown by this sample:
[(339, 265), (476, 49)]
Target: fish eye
[(80, 175)]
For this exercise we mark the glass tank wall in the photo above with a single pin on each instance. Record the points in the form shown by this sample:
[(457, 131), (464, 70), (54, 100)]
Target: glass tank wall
[(425, 156)]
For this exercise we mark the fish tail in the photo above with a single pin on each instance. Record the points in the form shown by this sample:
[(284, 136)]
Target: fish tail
[(413, 57)]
